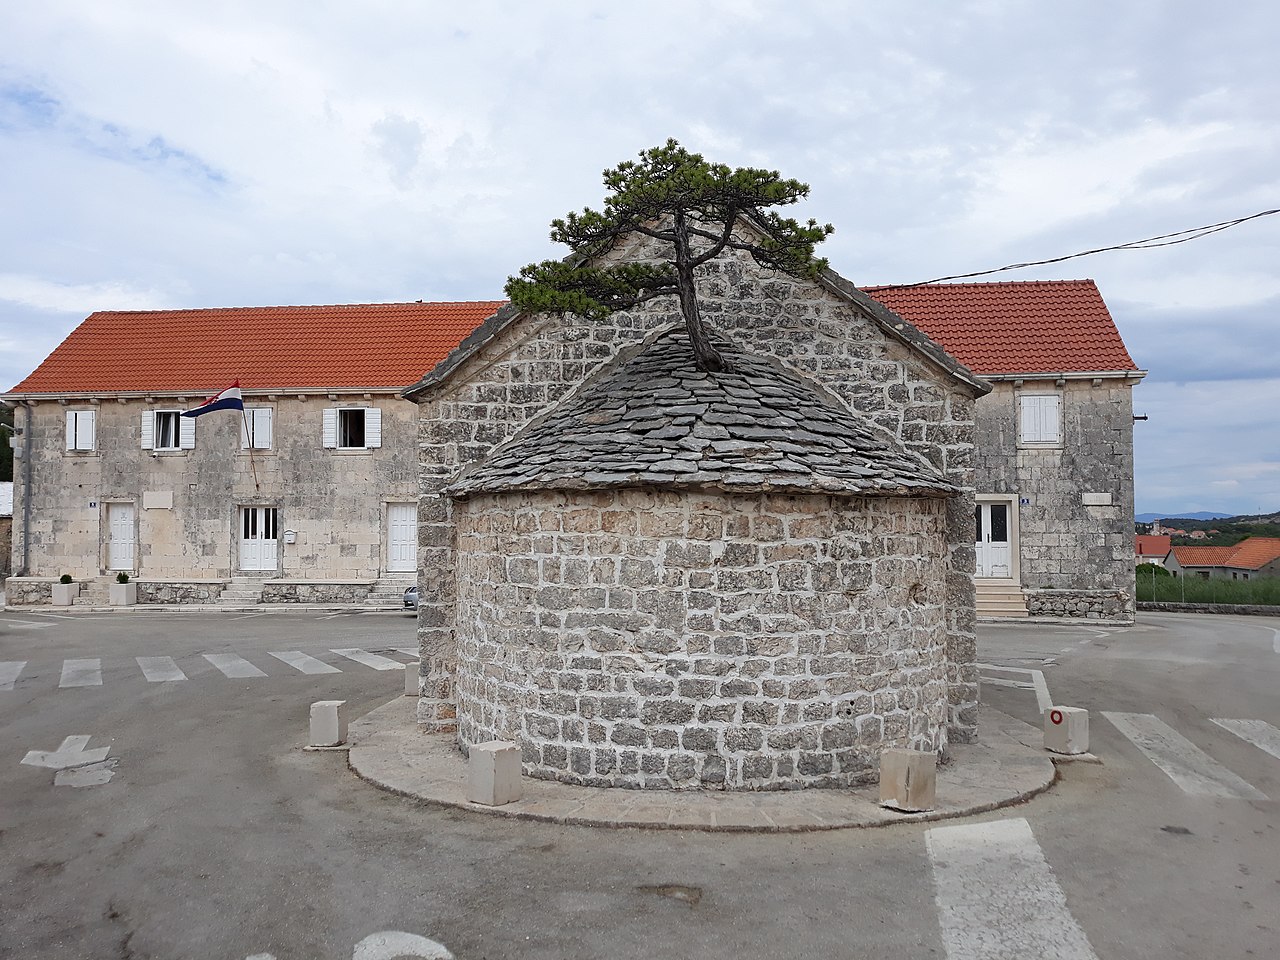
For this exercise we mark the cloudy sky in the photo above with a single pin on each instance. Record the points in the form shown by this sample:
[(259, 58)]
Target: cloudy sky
[(158, 154)]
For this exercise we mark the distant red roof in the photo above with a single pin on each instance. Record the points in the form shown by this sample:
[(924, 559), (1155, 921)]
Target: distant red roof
[(352, 345), (1255, 553), (1041, 326), (1203, 556), (1146, 545)]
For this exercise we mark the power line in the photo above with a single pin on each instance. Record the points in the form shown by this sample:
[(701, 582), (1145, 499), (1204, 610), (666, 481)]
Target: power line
[(1163, 240)]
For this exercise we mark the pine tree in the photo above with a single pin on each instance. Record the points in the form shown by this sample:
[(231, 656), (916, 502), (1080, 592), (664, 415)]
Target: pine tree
[(691, 208)]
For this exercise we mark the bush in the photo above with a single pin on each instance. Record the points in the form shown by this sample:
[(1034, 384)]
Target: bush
[(65, 578), (1150, 570), (1264, 591), (122, 577)]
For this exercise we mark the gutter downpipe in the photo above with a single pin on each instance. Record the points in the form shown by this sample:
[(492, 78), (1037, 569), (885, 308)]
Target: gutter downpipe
[(26, 490)]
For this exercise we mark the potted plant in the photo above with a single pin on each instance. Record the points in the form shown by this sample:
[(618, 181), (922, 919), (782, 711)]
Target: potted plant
[(124, 592), (65, 591)]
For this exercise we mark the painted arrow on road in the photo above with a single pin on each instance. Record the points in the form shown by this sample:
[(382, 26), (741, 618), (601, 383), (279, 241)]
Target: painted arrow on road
[(72, 753)]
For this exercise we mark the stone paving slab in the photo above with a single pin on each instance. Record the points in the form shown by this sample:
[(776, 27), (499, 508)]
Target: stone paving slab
[(1004, 768)]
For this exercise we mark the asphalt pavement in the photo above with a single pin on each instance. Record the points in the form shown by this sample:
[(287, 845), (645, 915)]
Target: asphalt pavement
[(218, 836)]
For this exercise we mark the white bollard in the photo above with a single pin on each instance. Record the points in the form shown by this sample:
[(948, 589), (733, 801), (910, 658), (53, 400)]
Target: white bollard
[(411, 682), (328, 723), (1066, 730), (908, 780), (494, 773)]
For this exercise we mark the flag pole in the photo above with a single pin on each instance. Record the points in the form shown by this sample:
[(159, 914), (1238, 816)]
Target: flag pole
[(249, 438)]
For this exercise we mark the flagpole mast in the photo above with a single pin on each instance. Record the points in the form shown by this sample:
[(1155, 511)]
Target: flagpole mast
[(249, 437)]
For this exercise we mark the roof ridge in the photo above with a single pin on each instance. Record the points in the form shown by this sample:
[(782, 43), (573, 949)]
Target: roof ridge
[(300, 306)]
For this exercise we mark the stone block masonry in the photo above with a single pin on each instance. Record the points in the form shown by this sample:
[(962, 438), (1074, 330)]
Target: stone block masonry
[(666, 640)]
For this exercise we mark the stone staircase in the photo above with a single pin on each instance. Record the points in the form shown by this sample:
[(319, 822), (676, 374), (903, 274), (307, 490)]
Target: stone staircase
[(389, 591), (1000, 599), (242, 592)]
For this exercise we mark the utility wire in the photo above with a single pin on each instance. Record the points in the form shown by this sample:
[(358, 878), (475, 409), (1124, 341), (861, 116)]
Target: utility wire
[(1163, 240)]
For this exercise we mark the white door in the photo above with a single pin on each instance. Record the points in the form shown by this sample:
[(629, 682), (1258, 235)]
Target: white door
[(992, 540), (120, 544), (258, 546), (402, 537)]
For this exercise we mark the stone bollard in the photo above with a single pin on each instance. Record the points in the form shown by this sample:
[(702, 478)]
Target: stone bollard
[(328, 723), (411, 681), (1066, 730), (908, 780), (494, 773)]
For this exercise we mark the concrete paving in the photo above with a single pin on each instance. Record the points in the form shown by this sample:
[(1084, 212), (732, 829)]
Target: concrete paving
[(1007, 766)]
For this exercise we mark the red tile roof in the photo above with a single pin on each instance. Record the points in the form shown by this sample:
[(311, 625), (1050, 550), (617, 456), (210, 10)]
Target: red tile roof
[(1041, 326), (1148, 545), (1255, 553), (1203, 556), (352, 345)]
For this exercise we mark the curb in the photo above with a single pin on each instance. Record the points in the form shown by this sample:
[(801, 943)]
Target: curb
[(389, 752)]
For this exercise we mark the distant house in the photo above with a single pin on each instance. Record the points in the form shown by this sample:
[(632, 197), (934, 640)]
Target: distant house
[(1247, 560), (1151, 549), (311, 494), (1054, 440), (1197, 535)]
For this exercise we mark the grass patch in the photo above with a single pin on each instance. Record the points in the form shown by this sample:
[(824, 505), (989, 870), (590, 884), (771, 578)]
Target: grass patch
[(1263, 592)]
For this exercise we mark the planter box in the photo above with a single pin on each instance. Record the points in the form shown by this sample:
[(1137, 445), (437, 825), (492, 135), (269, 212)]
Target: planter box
[(124, 594), (64, 594)]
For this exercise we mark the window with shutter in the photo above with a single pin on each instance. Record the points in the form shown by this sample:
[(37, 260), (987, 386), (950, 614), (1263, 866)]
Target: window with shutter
[(1039, 420), (81, 429), (255, 428)]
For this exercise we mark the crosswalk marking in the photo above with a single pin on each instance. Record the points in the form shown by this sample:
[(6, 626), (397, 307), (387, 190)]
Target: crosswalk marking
[(9, 671), (233, 665), (1258, 732), (997, 896), (81, 673), (1185, 764), (370, 659), (303, 662), (160, 669)]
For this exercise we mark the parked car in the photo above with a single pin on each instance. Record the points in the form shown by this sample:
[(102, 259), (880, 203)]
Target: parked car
[(411, 598)]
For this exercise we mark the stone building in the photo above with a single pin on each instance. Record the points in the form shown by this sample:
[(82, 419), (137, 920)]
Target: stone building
[(640, 597), (1054, 440), (310, 495)]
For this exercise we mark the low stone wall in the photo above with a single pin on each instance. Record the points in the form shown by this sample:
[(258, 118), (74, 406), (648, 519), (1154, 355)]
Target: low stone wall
[(1236, 609), (28, 591), (672, 641), (6, 545), (298, 591), (1085, 604), (180, 591)]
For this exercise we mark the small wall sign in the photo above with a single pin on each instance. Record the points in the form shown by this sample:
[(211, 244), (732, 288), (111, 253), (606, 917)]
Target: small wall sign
[(1024, 500)]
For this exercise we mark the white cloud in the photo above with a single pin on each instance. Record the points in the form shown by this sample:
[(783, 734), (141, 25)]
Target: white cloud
[(77, 298)]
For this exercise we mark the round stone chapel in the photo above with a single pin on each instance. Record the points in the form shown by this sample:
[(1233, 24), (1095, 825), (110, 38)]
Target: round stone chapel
[(686, 580)]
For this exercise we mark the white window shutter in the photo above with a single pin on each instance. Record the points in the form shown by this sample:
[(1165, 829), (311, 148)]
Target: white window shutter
[(1052, 432), (329, 435), (262, 428), (1029, 419), (373, 427), (148, 429), (244, 429), (71, 429), (89, 430), (186, 433)]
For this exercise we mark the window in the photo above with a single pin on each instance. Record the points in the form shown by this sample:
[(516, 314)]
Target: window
[(353, 428), (255, 428), (167, 430), (1039, 418), (81, 429)]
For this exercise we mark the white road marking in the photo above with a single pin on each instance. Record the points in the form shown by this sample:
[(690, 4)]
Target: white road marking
[(1258, 732), (303, 662), (89, 775), (997, 896), (1275, 641), (1043, 700), (390, 944), (9, 671), (1182, 761), (72, 753), (233, 665), (408, 651), (10, 621), (81, 673), (160, 669), (369, 659)]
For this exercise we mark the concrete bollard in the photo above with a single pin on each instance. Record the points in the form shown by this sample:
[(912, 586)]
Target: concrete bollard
[(1066, 730), (494, 773), (328, 723), (411, 683), (908, 780)]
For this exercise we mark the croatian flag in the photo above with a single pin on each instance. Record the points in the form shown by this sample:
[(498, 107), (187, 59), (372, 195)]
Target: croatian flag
[(228, 399)]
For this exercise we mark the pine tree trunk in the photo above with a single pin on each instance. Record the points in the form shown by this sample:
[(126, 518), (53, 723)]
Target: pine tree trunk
[(705, 355)]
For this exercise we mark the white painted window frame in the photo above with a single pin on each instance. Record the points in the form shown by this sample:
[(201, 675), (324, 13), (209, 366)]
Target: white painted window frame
[(186, 430), (330, 432), (1031, 412), (260, 422), (82, 431)]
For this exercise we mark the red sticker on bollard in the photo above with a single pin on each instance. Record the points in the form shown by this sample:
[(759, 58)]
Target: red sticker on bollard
[(1055, 716)]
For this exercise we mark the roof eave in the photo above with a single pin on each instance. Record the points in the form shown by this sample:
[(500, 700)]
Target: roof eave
[(1134, 375)]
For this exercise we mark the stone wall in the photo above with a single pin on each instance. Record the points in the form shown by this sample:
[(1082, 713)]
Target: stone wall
[(1065, 543), (177, 592), (21, 591), (1088, 604), (530, 365), (186, 502), (6, 546), (284, 591), (666, 640)]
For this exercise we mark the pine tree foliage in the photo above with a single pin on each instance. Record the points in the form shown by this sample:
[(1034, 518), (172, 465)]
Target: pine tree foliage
[(691, 208)]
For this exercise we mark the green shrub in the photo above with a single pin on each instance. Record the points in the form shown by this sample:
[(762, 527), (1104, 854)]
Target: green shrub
[(1264, 591), (65, 578), (1152, 570), (122, 577)]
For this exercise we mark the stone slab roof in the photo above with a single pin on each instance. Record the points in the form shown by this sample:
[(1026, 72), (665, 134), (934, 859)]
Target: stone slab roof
[(654, 419)]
